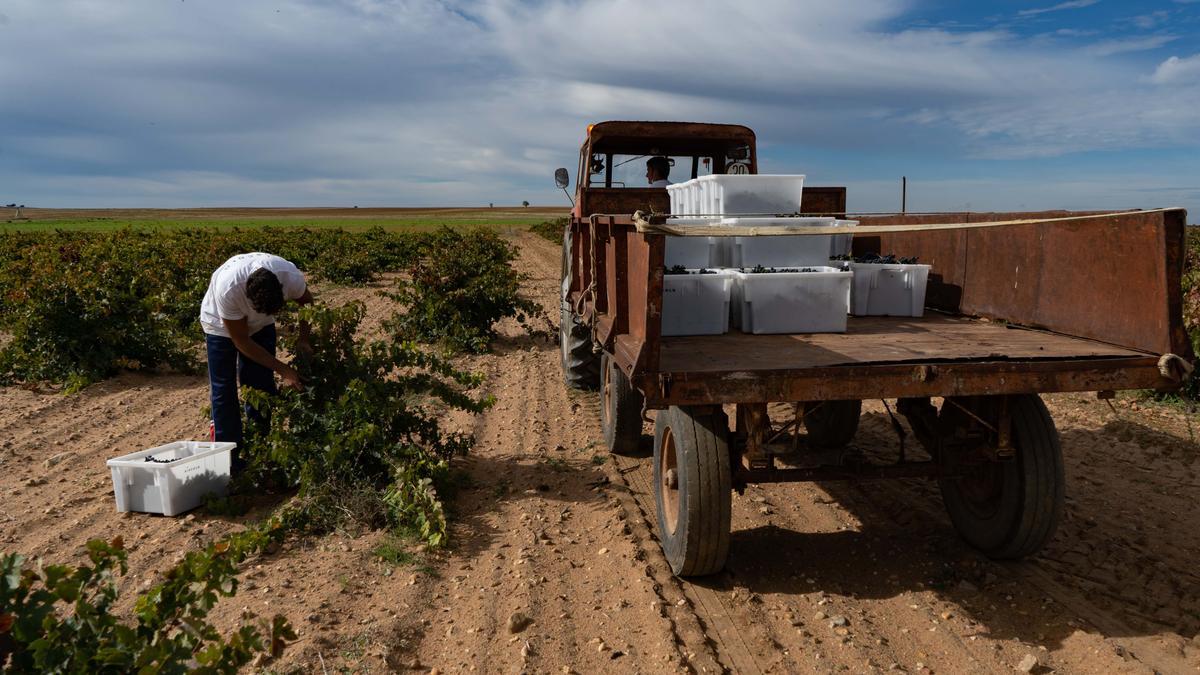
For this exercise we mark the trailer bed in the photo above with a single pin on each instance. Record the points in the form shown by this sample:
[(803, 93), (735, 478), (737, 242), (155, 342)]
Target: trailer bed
[(876, 341), (888, 357)]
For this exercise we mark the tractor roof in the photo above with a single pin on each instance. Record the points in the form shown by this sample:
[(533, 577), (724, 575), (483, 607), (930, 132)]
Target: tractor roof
[(667, 138)]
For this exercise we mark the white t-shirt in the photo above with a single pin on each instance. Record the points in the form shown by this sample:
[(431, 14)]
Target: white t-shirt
[(226, 294), (661, 182)]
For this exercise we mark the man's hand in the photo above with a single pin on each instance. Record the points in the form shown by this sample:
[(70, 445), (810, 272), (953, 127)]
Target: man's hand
[(291, 378), (240, 334)]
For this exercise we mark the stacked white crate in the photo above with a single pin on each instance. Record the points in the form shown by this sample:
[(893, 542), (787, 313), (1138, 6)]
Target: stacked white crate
[(815, 301), (780, 302), (888, 289), (784, 250), (690, 252), (695, 303), (693, 252)]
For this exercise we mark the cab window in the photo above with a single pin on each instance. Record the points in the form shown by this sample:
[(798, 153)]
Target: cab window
[(629, 171)]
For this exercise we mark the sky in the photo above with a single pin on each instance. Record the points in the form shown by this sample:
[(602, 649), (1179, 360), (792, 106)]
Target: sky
[(986, 105)]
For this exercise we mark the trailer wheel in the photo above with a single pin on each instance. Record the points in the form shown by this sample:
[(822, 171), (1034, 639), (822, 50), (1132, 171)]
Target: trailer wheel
[(831, 424), (1009, 509), (620, 409), (692, 486), (580, 365)]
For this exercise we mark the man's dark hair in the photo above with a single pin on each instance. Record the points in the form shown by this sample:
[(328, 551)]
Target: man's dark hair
[(660, 165), (265, 292)]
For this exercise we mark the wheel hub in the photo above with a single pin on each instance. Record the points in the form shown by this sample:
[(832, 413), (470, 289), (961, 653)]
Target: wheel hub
[(983, 488), (669, 490)]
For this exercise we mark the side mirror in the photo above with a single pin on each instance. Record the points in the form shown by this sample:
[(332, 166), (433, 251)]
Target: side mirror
[(561, 178)]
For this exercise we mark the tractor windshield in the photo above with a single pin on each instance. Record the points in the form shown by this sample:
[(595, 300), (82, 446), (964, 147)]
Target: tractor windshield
[(630, 170)]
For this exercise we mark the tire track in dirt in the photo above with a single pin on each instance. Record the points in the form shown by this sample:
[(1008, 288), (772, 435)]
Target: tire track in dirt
[(541, 261), (541, 534)]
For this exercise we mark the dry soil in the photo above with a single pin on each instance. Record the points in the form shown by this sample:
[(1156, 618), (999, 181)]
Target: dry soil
[(553, 564)]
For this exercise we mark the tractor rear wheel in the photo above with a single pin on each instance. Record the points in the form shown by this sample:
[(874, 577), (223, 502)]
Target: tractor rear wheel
[(580, 365)]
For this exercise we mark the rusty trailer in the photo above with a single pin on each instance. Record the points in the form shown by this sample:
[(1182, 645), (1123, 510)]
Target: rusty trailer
[(1073, 302)]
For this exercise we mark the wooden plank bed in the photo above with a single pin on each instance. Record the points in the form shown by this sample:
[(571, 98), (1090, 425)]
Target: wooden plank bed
[(933, 338)]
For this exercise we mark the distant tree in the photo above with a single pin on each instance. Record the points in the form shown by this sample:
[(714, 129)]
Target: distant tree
[(491, 205), (525, 204)]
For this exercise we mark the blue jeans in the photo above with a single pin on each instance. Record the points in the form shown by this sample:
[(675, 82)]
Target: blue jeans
[(226, 367)]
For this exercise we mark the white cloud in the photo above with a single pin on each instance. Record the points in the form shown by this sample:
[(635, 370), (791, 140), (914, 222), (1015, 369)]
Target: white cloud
[(1177, 70), (1072, 4), (1125, 45), (469, 101), (1148, 21)]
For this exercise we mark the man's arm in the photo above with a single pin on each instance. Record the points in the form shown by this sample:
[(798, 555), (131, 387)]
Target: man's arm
[(239, 332)]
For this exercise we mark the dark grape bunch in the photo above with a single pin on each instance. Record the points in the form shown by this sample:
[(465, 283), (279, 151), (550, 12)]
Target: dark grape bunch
[(876, 259), (680, 269), (759, 269), (152, 458)]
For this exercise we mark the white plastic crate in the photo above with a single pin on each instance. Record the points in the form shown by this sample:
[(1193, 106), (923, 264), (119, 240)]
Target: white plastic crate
[(888, 290), (794, 302), (695, 252), (840, 244), (199, 467), (783, 250), (696, 304), (684, 197), (761, 194)]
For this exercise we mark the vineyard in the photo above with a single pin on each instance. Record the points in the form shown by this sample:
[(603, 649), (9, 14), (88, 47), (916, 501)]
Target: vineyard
[(343, 547), (361, 447)]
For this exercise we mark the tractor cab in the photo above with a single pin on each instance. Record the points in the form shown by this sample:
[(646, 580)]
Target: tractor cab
[(612, 173)]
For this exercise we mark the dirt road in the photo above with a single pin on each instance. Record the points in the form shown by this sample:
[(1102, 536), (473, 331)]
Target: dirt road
[(554, 567)]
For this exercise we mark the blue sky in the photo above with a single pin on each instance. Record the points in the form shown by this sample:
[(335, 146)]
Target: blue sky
[(1079, 104)]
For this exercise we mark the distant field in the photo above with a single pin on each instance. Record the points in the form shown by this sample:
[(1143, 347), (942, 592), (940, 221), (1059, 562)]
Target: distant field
[(409, 219)]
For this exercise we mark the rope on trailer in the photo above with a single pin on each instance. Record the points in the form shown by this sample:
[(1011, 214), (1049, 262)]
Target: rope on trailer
[(645, 223), (589, 293), (1174, 367)]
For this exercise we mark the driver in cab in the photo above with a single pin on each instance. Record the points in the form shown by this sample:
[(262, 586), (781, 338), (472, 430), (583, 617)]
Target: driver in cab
[(657, 170)]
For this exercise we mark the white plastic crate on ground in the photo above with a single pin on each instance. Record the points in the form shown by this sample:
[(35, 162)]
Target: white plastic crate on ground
[(696, 304), (794, 302), (888, 290), (784, 250), (170, 488), (694, 252), (763, 194)]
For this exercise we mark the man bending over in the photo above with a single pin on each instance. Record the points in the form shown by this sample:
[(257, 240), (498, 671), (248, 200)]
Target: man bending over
[(238, 317)]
